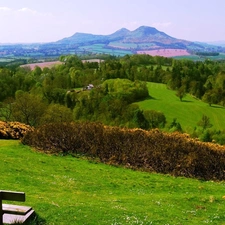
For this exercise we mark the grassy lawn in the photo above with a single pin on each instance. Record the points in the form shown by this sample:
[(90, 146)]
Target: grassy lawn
[(188, 112), (68, 190)]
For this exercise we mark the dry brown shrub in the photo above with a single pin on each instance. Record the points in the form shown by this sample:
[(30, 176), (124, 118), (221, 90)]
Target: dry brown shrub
[(153, 150), (13, 130)]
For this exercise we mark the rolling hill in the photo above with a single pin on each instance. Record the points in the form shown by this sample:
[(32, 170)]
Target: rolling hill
[(143, 38), (188, 112)]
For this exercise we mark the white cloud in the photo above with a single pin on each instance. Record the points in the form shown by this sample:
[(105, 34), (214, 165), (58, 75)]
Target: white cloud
[(27, 10), (4, 9), (24, 10)]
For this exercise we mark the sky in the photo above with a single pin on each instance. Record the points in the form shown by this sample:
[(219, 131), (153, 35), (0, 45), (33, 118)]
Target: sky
[(29, 21)]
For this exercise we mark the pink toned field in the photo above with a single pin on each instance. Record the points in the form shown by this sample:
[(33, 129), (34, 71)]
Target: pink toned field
[(165, 52), (42, 65)]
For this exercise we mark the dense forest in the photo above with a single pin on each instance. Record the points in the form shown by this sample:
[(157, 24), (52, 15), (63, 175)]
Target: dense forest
[(105, 92)]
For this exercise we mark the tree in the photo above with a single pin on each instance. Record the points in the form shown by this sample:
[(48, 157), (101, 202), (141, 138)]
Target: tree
[(7, 84), (206, 136), (140, 120), (71, 99), (175, 126), (6, 109), (154, 118), (37, 72), (204, 122), (56, 113), (210, 97), (181, 93), (54, 95), (28, 108)]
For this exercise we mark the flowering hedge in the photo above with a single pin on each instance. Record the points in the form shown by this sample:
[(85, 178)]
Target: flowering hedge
[(13, 130), (170, 153)]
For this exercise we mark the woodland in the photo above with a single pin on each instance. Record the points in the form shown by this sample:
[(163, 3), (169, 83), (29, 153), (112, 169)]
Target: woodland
[(63, 94)]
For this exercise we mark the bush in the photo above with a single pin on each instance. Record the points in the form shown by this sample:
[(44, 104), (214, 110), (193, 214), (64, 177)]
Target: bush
[(155, 119), (13, 130), (219, 137), (171, 153)]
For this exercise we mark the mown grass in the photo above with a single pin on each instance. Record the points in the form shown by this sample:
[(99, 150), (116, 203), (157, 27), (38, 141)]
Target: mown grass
[(69, 190), (188, 112)]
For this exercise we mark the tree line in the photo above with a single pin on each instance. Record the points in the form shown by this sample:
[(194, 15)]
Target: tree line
[(57, 94)]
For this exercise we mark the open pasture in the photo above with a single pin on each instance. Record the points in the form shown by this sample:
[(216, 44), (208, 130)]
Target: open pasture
[(187, 112), (101, 48)]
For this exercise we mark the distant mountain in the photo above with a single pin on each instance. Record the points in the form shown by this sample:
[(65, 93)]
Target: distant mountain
[(140, 35), (79, 38), (145, 34), (217, 43), (143, 38), (119, 34)]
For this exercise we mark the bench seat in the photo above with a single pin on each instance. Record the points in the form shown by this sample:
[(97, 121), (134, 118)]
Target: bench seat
[(15, 213)]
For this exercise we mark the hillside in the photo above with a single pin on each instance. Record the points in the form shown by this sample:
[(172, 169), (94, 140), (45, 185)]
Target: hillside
[(188, 112), (150, 36), (142, 40), (122, 42), (69, 190)]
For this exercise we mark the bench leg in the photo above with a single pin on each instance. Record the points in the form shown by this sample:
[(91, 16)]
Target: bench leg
[(1, 212)]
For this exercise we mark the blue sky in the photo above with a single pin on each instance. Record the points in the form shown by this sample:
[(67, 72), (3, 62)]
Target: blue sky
[(51, 20)]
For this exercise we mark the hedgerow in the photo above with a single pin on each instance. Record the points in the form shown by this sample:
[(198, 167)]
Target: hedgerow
[(13, 130), (170, 153)]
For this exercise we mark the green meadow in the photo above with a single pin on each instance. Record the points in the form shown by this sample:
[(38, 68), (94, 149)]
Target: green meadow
[(69, 190), (187, 112), (221, 56), (101, 48)]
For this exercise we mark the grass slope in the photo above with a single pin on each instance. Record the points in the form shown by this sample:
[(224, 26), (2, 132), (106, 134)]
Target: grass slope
[(67, 190), (101, 48), (221, 56), (188, 112)]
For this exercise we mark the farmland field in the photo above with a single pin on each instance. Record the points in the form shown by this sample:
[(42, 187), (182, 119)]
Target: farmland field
[(221, 56), (165, 52), (188, 112), (42, 64), (101, 48), (6, 60), (122, 45), (189, 57)]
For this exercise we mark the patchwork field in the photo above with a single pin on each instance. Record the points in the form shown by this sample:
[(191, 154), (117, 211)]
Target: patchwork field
[(42, 64), (102, 49), (165, 52)]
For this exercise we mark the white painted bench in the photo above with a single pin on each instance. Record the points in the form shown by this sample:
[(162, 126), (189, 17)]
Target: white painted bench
[(10, 214)]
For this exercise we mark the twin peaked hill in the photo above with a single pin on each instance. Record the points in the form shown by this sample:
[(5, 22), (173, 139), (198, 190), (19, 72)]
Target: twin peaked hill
[(143, 37), (144, 40)]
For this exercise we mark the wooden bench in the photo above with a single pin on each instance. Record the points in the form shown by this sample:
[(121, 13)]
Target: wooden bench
[(10, 214)]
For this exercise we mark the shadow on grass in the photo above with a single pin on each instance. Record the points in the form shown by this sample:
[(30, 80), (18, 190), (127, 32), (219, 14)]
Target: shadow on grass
[(217, 106), (186, 100), (34, 220), (152, 98)]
